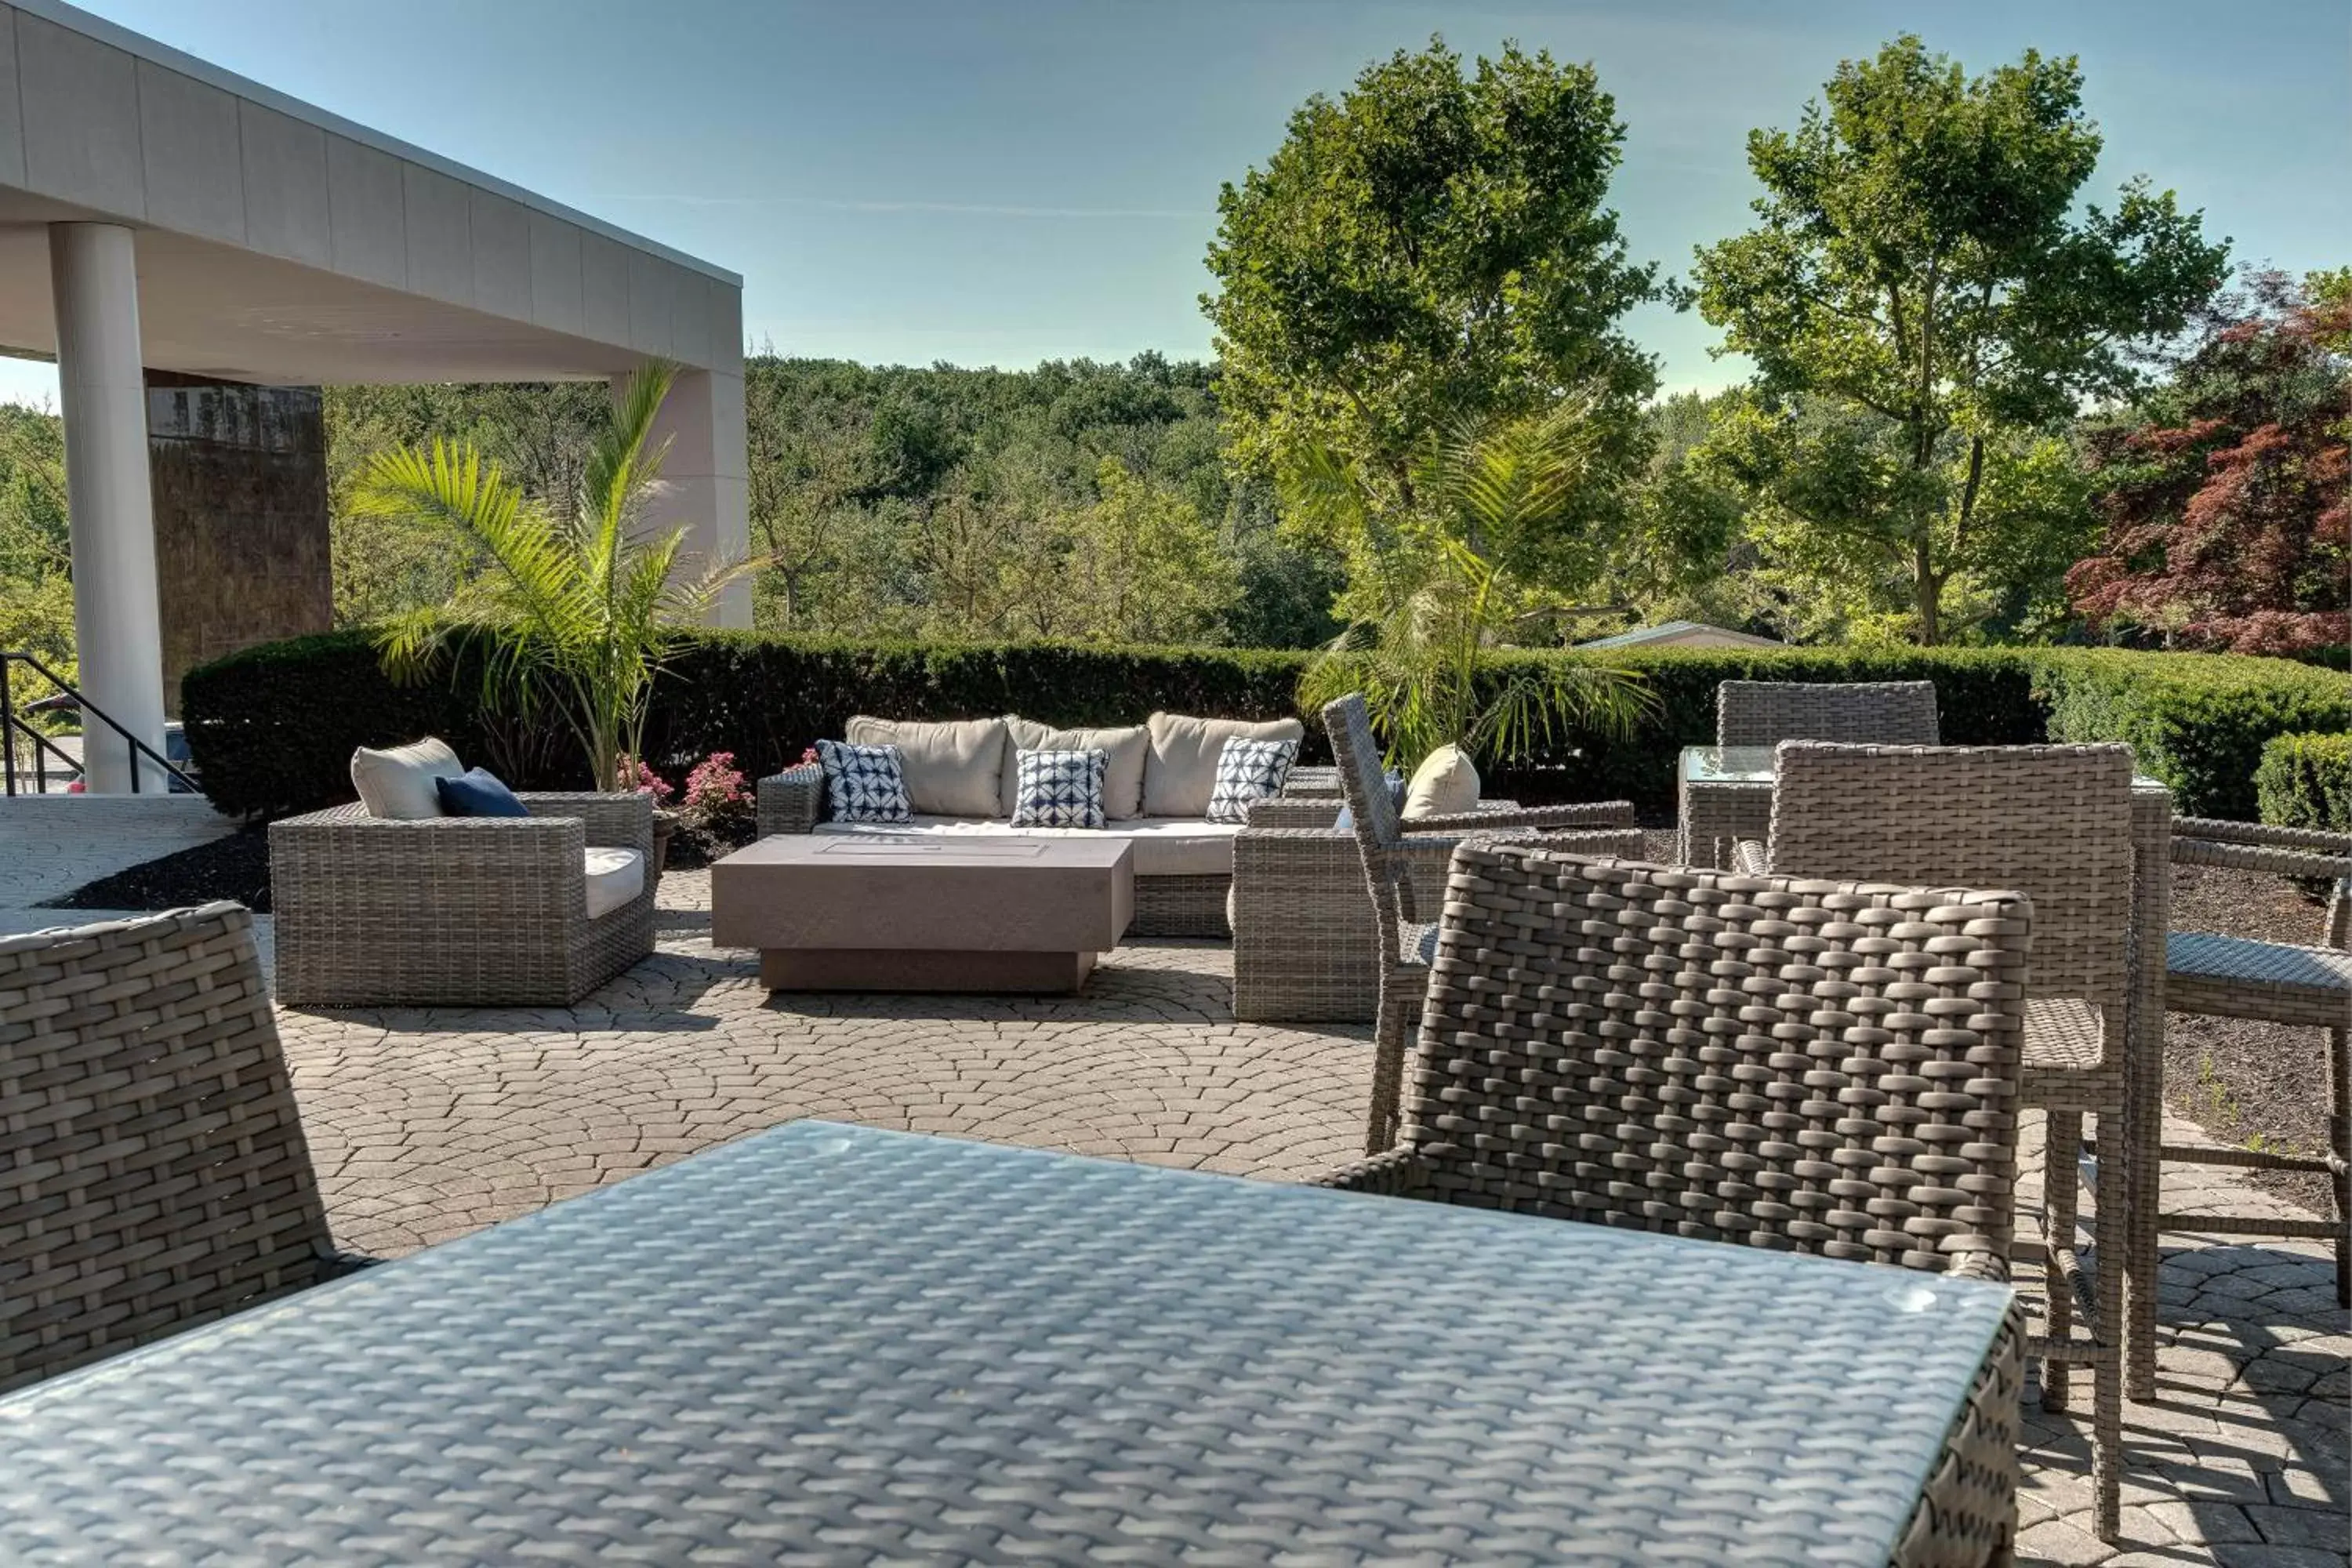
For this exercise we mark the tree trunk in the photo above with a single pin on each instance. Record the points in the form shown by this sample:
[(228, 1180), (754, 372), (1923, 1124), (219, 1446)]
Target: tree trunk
[(1927, 587)]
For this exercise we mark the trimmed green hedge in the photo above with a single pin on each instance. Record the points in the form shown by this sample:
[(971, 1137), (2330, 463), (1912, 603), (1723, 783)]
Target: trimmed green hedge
[(2305, 781), (273, 727)]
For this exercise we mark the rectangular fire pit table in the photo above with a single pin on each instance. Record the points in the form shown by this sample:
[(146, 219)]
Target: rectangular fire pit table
[(841, 1345), (903, 912)]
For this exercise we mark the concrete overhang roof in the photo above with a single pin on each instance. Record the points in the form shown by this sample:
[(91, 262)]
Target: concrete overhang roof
[(279, 243)]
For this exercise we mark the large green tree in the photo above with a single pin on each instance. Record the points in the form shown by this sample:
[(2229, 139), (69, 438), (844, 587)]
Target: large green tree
[(1428, 249), (1922, 262)]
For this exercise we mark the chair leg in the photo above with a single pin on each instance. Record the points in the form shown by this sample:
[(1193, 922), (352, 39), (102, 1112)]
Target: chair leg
[(2108, 1228), (2339, 1143), (2062, 1152), (1389, 1038)]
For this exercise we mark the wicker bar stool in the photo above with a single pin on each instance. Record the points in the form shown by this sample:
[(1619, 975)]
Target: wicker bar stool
[(2275, 983), (1808, 1066), (2054, 823), (152, 1169), (1875, 713), (1406, 940)]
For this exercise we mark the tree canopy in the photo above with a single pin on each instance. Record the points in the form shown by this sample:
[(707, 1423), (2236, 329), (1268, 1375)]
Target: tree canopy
[(1920, 262), (1430, 248)]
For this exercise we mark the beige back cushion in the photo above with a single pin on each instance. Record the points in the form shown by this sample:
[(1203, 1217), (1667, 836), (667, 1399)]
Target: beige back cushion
[(397, 782), (1445, 784), (951, 769), (1124, 750), (1181, 772)]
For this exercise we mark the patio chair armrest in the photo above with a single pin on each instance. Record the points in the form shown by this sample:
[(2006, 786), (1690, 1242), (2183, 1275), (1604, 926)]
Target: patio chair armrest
[(792, 801), (1749, 858), (1397, 1174), (2214, 831), (332, 857), (621, 821), (1284, 812), (1589, 814), (1979, 1263), (1312, 784), (2280, 862)]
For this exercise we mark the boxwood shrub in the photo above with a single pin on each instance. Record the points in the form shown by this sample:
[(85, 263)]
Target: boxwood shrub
[(273, 727), (2305, 781)]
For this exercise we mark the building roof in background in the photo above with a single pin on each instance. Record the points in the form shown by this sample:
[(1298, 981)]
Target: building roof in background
[(1668, 633)]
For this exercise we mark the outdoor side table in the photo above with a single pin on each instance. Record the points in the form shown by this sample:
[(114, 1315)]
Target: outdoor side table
[(828, 1343)]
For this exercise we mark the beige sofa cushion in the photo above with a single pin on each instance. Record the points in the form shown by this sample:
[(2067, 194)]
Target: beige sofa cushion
[(615, 877), (951, 769), (1181, 772), (1124, 750), (1162, 846), (397, 782), (1445, 784)]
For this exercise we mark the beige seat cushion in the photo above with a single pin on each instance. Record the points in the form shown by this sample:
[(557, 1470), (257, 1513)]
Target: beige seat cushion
[(1164, 847), (1445, 784), (397, 782), (1181, 772), (615, 878), (1123, 749), (951, 769)]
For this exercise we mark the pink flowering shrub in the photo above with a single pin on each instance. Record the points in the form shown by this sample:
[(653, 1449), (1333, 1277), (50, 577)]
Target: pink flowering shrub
[(640, 779), (718, 800)]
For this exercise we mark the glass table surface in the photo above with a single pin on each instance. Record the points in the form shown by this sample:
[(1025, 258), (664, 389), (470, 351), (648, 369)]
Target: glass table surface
[(1753, 765)]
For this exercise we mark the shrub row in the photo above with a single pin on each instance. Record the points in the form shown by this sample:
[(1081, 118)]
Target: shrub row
[(273, 727), (2305, 781)]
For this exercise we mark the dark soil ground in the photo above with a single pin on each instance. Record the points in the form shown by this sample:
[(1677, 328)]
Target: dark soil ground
[(2251, 1084)]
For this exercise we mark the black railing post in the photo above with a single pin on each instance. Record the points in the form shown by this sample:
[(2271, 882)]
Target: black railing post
[(8, 725)]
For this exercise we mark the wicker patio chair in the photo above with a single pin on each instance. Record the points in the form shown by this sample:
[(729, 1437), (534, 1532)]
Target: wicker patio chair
[(2054, 823), (152, 1170), (1306, 945), (1884, 712), (1405, 941), (2275, 983), (455, 910), (1810, 1066)]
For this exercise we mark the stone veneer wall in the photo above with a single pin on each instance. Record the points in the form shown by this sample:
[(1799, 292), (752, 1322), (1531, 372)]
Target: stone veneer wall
[(241, 545)]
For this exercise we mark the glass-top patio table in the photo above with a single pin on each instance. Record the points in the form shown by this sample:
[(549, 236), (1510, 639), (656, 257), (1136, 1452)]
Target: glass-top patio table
[(1725, 795), (838, 1344)]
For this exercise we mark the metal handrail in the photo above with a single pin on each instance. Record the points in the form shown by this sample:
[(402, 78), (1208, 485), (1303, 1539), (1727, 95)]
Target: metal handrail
[(10, 724)]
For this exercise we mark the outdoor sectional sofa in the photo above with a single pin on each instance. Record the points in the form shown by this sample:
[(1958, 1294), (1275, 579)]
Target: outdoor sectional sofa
[(959, 780)]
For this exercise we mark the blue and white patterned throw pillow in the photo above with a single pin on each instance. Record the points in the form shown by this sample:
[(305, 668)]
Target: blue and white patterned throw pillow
[(1248, 771), (862, 783), (1058, 789)]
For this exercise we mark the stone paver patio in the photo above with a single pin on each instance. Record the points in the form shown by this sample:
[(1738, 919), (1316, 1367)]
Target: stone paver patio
[(425, 1124)]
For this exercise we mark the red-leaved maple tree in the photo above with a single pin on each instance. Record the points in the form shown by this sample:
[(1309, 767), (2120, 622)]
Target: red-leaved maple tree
[(2225, 498)]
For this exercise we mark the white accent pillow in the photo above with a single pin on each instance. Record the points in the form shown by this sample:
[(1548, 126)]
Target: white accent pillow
[(1445, 784), (397, 783)]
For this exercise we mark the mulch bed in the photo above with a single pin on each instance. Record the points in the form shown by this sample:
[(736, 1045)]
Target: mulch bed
[(234, 866)]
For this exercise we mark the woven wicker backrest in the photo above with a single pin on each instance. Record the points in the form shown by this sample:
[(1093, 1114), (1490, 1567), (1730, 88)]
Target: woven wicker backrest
[(1828, 1069), (1363, 783), (1884, 712), (152, 1170), (2053, 822)]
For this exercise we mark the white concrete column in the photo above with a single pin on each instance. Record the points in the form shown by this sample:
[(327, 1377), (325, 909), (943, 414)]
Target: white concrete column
[(705, 485), (118, 629)]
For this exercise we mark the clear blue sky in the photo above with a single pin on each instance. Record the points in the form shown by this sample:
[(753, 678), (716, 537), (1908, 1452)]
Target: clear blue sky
[(1003, 181)]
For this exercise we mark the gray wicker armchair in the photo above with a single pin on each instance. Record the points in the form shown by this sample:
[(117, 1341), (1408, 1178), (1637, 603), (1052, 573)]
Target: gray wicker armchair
[(1808, 1066), (2276, 983), (152, 1169), (1884, 712), (1384, 844), (455, 910), (2055, 822)]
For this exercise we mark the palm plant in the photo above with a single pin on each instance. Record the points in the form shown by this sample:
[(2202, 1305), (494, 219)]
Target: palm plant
[(1432, 605), (578, 609)]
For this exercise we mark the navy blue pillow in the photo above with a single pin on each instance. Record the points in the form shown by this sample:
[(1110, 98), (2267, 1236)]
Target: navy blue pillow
[(1396, 780), (477, 793)]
